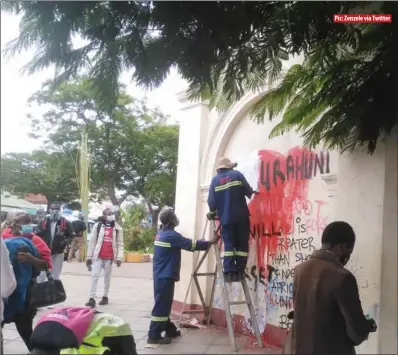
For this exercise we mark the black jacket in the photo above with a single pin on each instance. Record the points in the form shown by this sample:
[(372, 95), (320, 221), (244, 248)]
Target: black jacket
[(63, 234), (328, 315), (78, 226)]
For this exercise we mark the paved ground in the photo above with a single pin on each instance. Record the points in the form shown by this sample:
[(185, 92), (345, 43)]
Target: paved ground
[(131, 298)]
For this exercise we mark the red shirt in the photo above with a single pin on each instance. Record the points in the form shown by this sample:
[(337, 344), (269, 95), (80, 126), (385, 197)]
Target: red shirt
[(40, 244), (106, 251)]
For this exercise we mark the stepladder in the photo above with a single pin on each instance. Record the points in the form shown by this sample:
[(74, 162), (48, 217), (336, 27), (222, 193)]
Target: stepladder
[(218, 272)]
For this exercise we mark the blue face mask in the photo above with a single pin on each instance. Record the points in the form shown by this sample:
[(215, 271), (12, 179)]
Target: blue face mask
[(26, 229)]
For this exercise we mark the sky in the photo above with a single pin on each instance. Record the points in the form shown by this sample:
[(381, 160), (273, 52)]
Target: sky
[(16, 88)]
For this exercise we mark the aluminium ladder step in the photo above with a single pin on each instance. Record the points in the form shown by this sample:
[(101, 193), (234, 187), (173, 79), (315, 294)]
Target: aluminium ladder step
[(208, 308)]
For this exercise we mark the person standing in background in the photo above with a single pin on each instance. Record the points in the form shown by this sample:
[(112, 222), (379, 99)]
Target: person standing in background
[(79, 227), (105, 247), (56, 231), (8, 282)]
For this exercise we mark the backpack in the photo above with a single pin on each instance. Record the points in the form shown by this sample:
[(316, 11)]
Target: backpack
[(107, 335), (99, 228), (62, 328), (78, 331)]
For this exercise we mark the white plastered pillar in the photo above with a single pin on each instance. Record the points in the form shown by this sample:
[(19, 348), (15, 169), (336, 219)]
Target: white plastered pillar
[(361, 201), (193, 133), (388, 289)]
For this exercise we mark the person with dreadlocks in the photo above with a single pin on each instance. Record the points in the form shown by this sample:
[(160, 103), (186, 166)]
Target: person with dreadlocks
[(27, 264), (41, 246), (7, 223), (166, 272)]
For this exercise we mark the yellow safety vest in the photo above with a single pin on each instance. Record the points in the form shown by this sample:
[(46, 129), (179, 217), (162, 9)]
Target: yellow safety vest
[(103, 325)]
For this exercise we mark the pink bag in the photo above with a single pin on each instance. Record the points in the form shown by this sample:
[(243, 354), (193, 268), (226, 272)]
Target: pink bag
[(62, 328)]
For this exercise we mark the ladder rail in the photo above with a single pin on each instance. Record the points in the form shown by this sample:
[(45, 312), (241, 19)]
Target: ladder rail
[(213, 292), (227, 307), (227, 303), (192, 276), (202, 300), (253, 315)]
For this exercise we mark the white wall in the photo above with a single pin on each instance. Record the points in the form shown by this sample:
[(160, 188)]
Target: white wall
[(360, 202), (359, 189), (246, 141)]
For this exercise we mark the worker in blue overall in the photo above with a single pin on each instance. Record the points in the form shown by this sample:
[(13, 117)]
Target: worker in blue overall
[(227, 200), (166, 271)]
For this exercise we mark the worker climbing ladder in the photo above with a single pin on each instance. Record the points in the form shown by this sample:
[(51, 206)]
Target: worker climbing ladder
[(227, 303)]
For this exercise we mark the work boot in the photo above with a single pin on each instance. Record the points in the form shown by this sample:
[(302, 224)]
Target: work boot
[(91, 303), (240, 276), (173, 334), (104, 301), (232, 277), (229, 276), (237, 277), (161, 340)]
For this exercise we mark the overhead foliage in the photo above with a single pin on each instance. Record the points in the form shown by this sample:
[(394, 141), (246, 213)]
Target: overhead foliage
[(49, 174), (224, 49), (133, 151)]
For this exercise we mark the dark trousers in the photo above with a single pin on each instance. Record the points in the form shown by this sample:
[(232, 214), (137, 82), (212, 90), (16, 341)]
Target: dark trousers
[(160, 319), (236, 245), (24, 324)]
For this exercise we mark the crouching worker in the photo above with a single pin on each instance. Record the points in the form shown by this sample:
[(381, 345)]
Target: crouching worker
[(166, 271), (227, 199)]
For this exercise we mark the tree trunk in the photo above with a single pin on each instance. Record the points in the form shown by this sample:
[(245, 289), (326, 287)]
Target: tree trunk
[(115, 202), (112, 194), (155, 216), (152, 212)]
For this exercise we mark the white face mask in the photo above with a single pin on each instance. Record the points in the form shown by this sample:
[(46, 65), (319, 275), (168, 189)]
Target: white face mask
[(54, 214), (110, 218)]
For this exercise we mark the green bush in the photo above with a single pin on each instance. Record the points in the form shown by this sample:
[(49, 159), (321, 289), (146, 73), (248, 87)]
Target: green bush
[(137, 238), (140, 241)]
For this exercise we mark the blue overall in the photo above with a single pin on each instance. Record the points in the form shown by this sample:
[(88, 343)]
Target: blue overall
[(227, 195), (166, 271)]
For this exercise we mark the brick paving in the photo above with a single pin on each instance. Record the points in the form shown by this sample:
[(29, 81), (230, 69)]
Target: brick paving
[(131, 298)]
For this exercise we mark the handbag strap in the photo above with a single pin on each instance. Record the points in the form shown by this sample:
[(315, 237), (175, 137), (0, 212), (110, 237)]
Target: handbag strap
[(49, 276)]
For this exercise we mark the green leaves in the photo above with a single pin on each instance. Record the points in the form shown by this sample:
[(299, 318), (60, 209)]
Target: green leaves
[(344, 93), (50, 174), (133, 151), (341, 97)]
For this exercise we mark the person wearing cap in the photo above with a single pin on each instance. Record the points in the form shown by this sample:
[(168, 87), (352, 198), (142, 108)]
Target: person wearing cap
[(227, 200), (166, 272)]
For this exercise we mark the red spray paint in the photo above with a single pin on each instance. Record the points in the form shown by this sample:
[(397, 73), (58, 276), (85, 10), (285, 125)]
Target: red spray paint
[(272, 207)]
